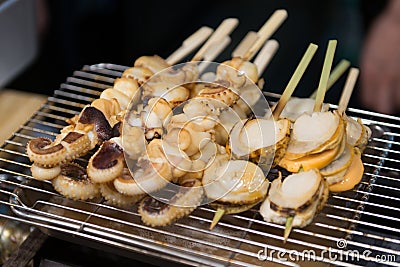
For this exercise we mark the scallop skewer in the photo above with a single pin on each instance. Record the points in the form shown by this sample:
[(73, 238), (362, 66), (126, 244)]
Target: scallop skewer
[(317, 108), (194, 108), (297, 106)]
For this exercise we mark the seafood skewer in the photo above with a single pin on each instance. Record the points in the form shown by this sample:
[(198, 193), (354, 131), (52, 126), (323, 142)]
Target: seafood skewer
[(296, 200), (297, 106), (347, 170), (101, 114), (206, 105), (147, 122), (160, 96)]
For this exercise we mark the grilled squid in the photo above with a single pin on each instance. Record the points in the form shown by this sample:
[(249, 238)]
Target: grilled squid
[(45, 173), (151, 172), (156, 213), (74, 183), (107, 163), (152, 118), (92, 127), (238, 72), (115, 198)]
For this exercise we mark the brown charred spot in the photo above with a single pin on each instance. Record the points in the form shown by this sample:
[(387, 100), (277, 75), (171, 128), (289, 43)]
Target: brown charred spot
[(189, 183), (38, 145), (153, 206), (72, 137), (116, 130), (292, 212), (91, 115), (73, 172), (108, 156)]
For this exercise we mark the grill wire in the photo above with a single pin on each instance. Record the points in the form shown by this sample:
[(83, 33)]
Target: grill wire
[(356, 228)]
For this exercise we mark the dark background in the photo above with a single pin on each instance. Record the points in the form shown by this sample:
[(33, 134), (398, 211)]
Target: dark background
[(74, 33)]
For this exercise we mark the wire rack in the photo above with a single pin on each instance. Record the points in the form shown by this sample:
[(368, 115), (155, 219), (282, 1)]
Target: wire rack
[(359, 227)]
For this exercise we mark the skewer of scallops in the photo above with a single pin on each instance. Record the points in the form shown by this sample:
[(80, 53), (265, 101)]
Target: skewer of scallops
[(296, 106), (295, 201), (251, 139), (199, 136), (347, 170)]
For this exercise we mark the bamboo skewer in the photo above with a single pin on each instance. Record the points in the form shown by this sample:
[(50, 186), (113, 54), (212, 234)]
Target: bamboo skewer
[(266, 54), (348, 90), (326, 69), (213, 52), (224, 29), (190, 44), (336, 73), (266, 32), (294, 80), (245, 44)]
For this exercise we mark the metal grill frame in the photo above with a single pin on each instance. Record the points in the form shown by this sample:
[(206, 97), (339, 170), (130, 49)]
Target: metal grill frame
[(238, 238)]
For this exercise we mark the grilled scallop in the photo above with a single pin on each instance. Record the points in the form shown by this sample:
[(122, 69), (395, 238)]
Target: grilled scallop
[(263, 141), (350, 176), (296, 107), (316, 140), (235, 182), (300, 195)]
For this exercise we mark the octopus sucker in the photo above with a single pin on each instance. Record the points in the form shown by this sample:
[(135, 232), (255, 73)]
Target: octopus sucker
[(45, 173), (44, 152), (74, 183), (156, 213), (107, 163), (115, 198), (76, 144), (220, 94)]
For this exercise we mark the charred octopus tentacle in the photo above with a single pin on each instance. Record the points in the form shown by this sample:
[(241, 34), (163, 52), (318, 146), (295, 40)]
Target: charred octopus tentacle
[(74, 183)]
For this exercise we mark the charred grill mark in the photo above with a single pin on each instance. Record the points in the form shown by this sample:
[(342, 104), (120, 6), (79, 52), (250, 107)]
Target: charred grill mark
[(73, 172), (116, 130), (72, 137), (91, 115), (153, 206), (38, 146), (293, 212), (108, 156)]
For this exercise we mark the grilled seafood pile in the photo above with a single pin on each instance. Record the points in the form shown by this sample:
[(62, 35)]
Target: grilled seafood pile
[(170, 141)]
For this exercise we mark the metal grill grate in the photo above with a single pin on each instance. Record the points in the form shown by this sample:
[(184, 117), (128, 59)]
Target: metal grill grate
[(366, 218)]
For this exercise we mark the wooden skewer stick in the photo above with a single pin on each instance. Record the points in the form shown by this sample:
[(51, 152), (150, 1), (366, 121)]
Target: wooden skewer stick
[(266, 54), (266, 32), (245, 44), (294, 81), (217, 217), (336, 73), (213, 52), (323, 81), (288, 228), (190, 44), (224, 29), (348, 90)]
